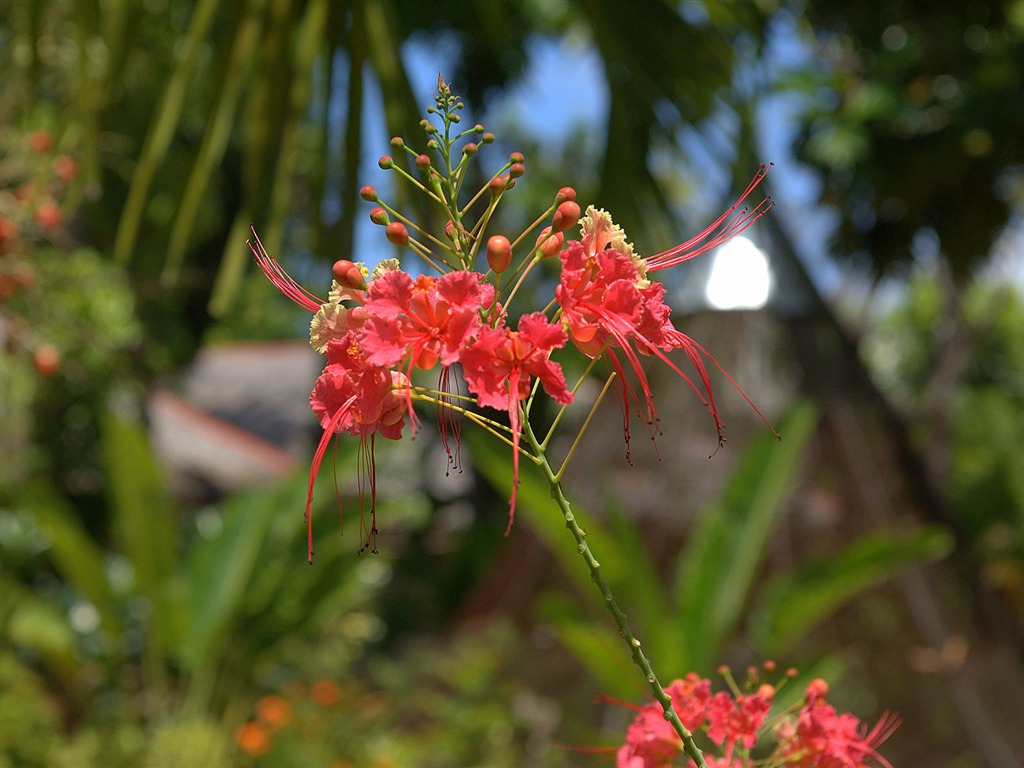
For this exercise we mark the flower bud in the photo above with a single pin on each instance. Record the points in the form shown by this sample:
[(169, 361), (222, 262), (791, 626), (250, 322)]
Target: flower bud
[(499, 253), (386, 162), (496, 186), (549, 244), (487, 138), (48, 214), (478, 128), (368, 193), (348, 275), (9, 229), (470, 149), (397, 142), (40, 141), (397, 233), (379, 216), (516, 157), (516, 170), (423, 162), (565, 193), (816, 689), (46, 360), (65, 167), (566, 215)]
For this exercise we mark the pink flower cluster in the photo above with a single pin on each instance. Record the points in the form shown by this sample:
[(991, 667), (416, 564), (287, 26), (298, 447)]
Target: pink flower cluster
[(378, 330), (375, 336), (810, 735)]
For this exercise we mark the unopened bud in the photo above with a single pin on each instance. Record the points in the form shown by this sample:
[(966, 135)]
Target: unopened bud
[(499, 253), (46, 360), (379, 216), (423, 162), (566, 215), (386, 162), (397, 233), (766, 691), (565, 193), (516, 170), (816, 689), (348, 275), (478, 128), (516, 157), (397, 141), (487, 138), (470, 149), (368, 193), (496, 186), (549, 244)]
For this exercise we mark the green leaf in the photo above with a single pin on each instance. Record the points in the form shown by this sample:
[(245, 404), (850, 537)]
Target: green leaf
[(216, 136), (221, 568), (161, 130), (718, 568), (794, 603), (75, 555), (145, 525)]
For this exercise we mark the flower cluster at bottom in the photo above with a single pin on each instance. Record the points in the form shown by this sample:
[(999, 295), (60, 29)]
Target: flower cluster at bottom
[(811, 734)]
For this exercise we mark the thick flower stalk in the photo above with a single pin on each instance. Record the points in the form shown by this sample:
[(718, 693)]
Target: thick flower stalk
[(458, 312)]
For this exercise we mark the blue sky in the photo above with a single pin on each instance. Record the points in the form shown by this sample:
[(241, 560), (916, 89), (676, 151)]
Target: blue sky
[(563, 87)]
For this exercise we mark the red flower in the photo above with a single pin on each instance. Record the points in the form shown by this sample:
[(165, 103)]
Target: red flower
[(353, 396), (431, 319), (610, 307), (823, 738), (498, 367), (690, 699), (651, 741), (736, 721)]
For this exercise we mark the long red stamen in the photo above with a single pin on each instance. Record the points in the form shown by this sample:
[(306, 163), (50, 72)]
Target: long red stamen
[(282, 280), (314, 469), (449, 424), (368, 475), (722, 229)]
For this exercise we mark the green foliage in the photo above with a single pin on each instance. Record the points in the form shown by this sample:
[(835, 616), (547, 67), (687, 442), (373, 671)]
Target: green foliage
[(717, 593), (985, 409), (914, 125), (184, 624), (29, 720), (454, 703)]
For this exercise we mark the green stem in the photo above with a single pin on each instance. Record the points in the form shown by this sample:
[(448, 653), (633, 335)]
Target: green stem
[(689, 746)]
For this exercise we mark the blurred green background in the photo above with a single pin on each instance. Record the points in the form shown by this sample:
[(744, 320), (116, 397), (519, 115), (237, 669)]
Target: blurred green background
[(155, 604)]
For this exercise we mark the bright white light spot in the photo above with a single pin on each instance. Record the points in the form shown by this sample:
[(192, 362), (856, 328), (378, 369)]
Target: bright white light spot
[(740, 278), (84, 617)]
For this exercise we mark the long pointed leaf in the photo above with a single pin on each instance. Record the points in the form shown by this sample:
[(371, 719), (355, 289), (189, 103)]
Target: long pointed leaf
[(720, 563), (797, 601), (146, 527), (161, 131), (75, 554), (215, 140)]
